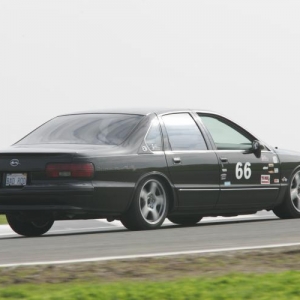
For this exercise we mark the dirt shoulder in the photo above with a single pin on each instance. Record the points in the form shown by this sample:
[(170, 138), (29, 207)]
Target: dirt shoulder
[(156, 269)]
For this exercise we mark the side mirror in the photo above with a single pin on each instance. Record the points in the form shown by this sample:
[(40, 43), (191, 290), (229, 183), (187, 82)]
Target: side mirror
[(256, 145), (256, 148)]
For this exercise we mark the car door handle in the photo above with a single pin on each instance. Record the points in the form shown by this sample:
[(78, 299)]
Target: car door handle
[(223, 159), (176, 160)]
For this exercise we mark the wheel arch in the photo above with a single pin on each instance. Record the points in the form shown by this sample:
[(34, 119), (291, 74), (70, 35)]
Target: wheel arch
[(287, 209), (167, 182), (288, 174)]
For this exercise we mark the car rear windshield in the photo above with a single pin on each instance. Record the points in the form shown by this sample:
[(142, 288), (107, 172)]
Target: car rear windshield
[(95, 129)]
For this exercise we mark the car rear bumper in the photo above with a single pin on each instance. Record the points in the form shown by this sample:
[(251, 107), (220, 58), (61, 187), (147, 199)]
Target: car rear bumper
[(75, 197)]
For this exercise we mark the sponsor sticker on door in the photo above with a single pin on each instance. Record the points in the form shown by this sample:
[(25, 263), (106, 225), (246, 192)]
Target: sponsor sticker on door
[(265, 179)]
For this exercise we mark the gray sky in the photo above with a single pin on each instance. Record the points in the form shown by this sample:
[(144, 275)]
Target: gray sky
[(240, 58)]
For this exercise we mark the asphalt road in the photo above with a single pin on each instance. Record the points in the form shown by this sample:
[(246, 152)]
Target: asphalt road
[(71, 240)]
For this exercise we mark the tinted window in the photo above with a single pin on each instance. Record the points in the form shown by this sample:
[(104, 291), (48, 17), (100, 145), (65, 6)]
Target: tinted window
[(96, 129), (224, 135), (153, 138), (183, 132)]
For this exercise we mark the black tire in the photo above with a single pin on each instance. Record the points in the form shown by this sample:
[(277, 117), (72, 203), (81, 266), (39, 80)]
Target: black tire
[(185, 220), (290, 206), (149, 207), (27, 227)]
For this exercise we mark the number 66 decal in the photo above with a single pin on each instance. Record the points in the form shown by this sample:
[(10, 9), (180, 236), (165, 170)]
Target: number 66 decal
[(240, 171)]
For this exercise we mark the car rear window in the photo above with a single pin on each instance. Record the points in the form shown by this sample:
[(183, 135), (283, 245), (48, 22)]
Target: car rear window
[(95, 129)]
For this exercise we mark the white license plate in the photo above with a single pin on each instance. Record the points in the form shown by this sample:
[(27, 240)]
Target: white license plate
[(16, 179)]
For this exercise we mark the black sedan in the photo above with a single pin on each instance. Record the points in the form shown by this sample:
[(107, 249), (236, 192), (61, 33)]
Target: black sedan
[(141, 167)]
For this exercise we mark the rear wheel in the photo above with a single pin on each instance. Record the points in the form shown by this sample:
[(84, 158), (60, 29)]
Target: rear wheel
[(185, 220), (29, 227), (290, 207), (149, 207)]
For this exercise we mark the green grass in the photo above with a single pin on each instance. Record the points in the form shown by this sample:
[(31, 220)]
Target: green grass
[(2, 219), (283, 285)]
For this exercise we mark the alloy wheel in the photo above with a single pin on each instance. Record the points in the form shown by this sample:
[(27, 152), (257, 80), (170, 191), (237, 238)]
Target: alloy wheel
[(152, 201), (295, 191)]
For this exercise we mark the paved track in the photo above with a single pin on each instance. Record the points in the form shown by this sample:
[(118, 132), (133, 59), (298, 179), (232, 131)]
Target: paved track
[(71, 240)]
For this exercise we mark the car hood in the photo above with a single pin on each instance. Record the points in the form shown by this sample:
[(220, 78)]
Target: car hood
[(287, 152), (288, 155)]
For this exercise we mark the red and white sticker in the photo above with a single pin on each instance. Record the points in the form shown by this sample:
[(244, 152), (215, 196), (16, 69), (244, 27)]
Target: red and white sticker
[(265, 179)]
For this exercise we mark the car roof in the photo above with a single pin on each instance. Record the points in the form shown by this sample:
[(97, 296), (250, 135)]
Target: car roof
[(139, 111)]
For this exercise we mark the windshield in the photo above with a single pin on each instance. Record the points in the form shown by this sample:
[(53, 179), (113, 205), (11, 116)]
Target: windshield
[(95, 129)]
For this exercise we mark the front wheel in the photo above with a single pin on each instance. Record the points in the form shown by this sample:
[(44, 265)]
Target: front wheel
[(29, 227), (149, 207), (290, 207), (185, 220)]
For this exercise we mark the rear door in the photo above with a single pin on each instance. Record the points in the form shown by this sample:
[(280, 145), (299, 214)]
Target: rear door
[(194, 168), (247, 180)]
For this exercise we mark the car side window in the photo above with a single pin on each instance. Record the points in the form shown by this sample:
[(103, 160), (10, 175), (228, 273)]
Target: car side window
[(183, 132), (153, 137), (225, 136)]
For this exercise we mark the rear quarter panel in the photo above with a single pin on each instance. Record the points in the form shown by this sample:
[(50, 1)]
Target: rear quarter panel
[(117, 176)]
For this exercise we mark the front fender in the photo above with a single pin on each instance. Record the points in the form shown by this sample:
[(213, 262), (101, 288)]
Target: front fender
[(289, 164)]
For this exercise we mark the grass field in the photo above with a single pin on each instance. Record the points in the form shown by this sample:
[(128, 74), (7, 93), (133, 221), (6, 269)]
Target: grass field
[(262, 274), (283, 285), (2, 219)]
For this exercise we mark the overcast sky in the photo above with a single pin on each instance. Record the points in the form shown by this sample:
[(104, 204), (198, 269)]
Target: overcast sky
[(240, 58)]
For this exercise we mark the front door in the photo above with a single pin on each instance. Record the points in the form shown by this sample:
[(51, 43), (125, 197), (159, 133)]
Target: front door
[(247, 180)]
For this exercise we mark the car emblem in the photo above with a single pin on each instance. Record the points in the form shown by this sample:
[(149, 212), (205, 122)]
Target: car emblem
[(14, 162)]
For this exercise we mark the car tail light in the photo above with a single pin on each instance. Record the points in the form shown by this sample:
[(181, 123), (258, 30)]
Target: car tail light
[(73, 170)]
